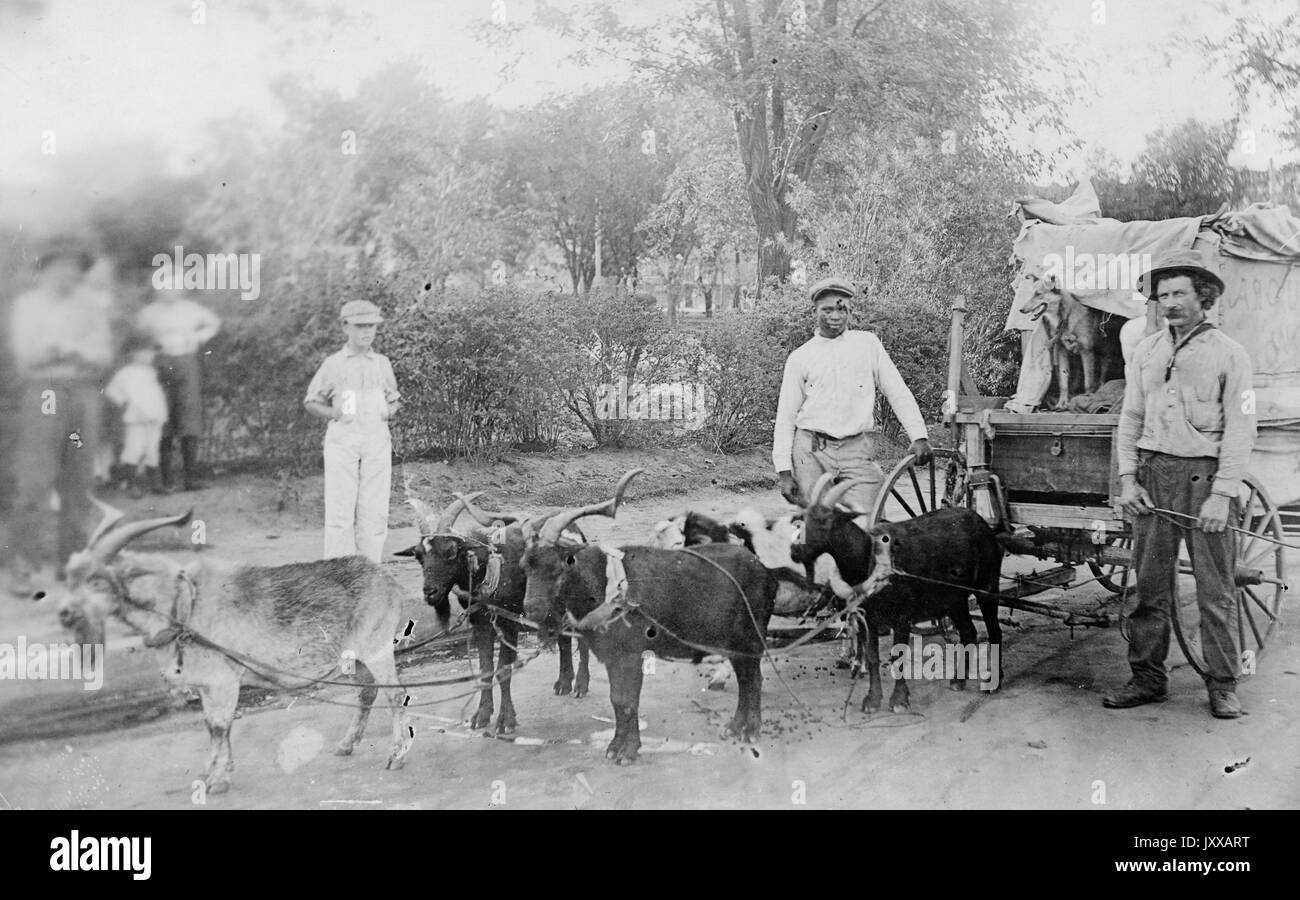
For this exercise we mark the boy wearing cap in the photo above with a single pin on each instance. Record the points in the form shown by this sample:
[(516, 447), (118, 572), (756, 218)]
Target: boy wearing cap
[(825, 418), (356, 391), (136, 389), (1183, 442)]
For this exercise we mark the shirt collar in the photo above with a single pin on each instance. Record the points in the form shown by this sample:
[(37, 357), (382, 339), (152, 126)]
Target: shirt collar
[(348, 351)]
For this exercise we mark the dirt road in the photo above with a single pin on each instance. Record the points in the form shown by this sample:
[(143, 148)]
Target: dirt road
[(1043, 740)]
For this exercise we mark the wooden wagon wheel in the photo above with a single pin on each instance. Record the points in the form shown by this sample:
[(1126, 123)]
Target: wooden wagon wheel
[(904, 495), (1257, 605)]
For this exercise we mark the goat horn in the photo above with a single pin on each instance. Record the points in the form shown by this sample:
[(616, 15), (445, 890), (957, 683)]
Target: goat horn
[(834, 494), (111, 517), (453, 511), (426, 513), (820, 486), (484, 518), (554, 526), (114, 540)]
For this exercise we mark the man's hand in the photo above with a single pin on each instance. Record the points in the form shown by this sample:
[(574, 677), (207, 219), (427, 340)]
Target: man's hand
[(921, 450), (1214, 514), (1133, 498), (789, 489)]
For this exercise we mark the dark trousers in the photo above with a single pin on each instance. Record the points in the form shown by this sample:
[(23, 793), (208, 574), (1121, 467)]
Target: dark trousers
[(1183, 485), (48, 459)]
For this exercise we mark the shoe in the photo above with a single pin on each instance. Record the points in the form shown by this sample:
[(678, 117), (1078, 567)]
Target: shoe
[(1224, 705), (1131, 695)]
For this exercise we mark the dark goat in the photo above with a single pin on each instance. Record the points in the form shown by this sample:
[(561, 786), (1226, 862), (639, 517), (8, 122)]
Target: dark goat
[(460, 562), (955, 546), (678, 604)]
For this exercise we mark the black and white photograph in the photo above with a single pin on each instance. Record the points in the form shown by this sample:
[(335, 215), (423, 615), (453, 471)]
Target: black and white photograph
[(503, 405)]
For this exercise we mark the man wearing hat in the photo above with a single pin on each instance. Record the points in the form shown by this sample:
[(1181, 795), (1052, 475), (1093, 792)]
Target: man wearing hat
[(1184, 440), (62, 345), (825, 418), (355, 390)]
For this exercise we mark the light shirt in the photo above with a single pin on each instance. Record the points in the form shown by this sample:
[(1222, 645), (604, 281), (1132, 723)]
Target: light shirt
[(60, 336), (360, 384), (135, 388), (1199, 411), (179, 326), (829, 386)]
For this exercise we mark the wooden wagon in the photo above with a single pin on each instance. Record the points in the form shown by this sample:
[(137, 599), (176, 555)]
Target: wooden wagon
[(1050, 479)]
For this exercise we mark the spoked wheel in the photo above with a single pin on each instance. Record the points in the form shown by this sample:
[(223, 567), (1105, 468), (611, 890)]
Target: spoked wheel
[(908, 491), (1258, 604)]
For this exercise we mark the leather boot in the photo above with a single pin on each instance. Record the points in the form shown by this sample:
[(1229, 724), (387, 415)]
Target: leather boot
[(153, 481), (189, 458)]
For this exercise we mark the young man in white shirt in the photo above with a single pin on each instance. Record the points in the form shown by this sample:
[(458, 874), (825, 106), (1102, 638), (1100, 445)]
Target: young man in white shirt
[(356, 392), (825, 418)]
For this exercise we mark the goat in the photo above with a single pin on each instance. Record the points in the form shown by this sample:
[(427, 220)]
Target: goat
[(800, 588), (677, 603), (1073, 329), (463, 564), (950, 545), (300, 618)]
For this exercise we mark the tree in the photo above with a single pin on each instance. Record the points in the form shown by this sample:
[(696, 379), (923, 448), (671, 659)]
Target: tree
[(595, 164), (1261, 51), (790, 70), (1185, 169)]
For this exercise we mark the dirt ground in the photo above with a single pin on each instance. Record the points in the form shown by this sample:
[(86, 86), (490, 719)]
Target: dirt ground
[(1042, 741)]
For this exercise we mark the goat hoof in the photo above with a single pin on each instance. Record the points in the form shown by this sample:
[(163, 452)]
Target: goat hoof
[(343, 750), (219, 786), (563, 687), (580, 691), (506, 726), (901, 707), (871, 704), (482, 719), (394, 763)]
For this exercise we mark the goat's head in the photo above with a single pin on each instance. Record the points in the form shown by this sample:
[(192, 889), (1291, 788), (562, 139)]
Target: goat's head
[(102, 581), (550, 559), (822, 519), (446, 556)]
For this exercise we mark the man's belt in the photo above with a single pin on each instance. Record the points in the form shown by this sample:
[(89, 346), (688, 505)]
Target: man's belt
[(821, 439)]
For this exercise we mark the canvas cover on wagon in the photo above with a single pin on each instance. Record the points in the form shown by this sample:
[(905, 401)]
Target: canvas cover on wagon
[(1256, 251)]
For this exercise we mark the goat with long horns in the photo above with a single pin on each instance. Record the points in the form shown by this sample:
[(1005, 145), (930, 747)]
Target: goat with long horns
[(224, 624)]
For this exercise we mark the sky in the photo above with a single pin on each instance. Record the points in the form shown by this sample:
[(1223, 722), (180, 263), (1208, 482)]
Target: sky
[(79, 75)]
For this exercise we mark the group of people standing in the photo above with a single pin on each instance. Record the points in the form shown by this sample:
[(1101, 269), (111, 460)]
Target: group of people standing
[(1183, 440), (64, 349)]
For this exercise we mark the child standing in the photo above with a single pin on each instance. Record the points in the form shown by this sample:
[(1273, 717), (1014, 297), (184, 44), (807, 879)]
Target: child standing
[(136, 389)]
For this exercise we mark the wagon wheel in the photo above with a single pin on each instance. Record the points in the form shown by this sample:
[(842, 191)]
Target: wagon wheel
[(905, 494), (1258, 604)]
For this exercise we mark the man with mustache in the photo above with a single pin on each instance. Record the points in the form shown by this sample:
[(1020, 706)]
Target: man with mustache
[(1184, 439)]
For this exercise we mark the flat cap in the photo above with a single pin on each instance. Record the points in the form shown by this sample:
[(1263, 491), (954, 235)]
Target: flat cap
[(832, 286), (361, 312), (1179, 261)]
